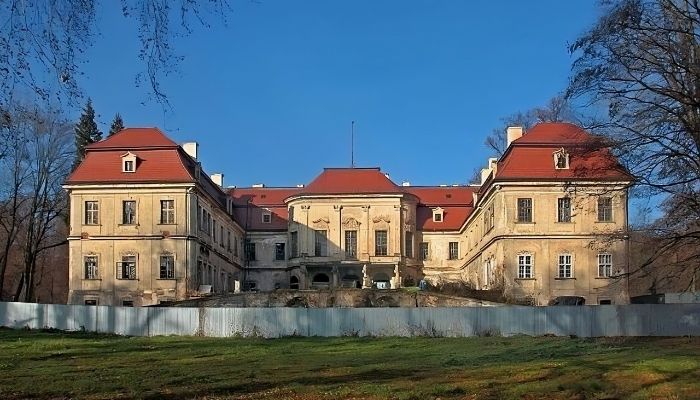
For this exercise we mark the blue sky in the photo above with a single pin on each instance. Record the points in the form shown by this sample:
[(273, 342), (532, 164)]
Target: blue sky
[(270, 96)]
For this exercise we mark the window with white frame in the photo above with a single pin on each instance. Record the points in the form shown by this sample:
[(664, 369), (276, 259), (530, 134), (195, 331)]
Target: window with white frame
[(92, 213), (604, 265), (91, 271), (525, 210), (129, 162), (561, 159), (266, 217), (129, 212), (424, 251), (453, 250), (438, 214), (126, 268), (525, 266), (167, 266), (320, 243), (605, 209), (167, 211), (565, 270), (381, 243), (564, 209)]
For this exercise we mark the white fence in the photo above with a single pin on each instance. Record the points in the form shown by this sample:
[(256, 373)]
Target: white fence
[(585, 321)]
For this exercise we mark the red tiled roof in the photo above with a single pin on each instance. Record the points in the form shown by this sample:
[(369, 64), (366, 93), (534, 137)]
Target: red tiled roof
[(456, 203), (532, 156), (351, 181), (442, 195), (131, 138), (261, 199), (155, 165), (454, 218)]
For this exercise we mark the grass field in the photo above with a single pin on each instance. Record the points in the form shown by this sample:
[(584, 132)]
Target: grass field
[(48, 365)]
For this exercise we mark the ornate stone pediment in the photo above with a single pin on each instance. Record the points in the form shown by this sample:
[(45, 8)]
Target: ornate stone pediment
[(380, 218), (321, 222), (351, 222)]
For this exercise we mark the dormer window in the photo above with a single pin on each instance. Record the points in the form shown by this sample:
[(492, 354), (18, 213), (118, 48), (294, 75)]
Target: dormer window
[(129, 162), (561, 159), (266, 217), (438, 214)]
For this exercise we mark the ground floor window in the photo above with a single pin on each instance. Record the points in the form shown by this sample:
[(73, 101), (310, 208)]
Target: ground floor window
[(167, 266), (126, 269), (294, 282), (90, 302), (127, 303), (525, 266), (91, 271), (565, 266), (604, 265)]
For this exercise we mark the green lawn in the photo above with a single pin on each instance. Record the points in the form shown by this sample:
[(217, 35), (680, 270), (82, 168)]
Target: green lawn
[(57, 365)]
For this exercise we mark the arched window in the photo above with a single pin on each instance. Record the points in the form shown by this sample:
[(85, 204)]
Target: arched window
[(321, 281), (294, 283)]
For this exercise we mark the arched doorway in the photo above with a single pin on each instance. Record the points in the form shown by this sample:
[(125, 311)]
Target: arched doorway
[(321, 281), (351, 281), (294, 283)]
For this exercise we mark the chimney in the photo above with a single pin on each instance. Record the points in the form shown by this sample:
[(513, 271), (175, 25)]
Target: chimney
[(485, 174), (405, 183), (191, 149), (258, 185), (513, 133), (218, 179), (300, 185)]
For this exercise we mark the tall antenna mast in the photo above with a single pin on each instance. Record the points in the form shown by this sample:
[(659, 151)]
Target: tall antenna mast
[(352, 144)]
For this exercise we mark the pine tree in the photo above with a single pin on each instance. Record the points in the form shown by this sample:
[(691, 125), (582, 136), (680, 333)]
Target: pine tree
[(86, 132), (117, 125)]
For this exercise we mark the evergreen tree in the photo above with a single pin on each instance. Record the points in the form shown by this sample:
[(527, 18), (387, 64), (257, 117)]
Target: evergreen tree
[(86, 132), (117, 125)]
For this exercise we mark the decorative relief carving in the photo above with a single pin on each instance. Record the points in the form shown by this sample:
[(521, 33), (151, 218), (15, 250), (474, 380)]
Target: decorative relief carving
[(305, 208), (380, 218), (351, 222), (321, 222)]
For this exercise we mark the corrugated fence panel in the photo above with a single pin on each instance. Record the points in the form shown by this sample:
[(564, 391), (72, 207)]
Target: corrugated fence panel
[(585, 321)]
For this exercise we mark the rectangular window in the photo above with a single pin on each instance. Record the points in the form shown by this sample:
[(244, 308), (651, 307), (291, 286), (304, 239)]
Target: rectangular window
[(351, 245), (127, 303), (320, 239), (280, 254), (604, 265), (91, 302), (525, 266), (294, 243), (221, 235), (266, 218), (228, 240), (126, 269), (167, 266), (92, 213), (409, 244), (213, 231), (524, 210), (454, 250), (167, 211), (235, 246), (565, 266), (488, 219), (200, 224), (128, 166), (381, 243), (249, 250), (564, 209), (91, 271), (605, 209), (129, 212), (424, 251)]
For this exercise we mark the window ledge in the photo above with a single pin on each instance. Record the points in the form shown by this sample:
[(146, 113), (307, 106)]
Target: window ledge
[(167, 223), (603, 277), (165, 279), (525, 223), (92, 279), (564, 222), (558, 278), (605, 222), (92, 224), (127, 224), (525, 279)]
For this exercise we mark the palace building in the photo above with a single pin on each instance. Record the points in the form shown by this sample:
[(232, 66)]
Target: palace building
[(548, 219)]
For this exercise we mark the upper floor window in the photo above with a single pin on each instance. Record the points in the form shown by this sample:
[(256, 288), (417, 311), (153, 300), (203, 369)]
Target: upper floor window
[(605, 209), (129, 212), (250, 250), (91, 271), (524, 210), (381, 243), (409, 244), (438, 214), (167, 266), (424, 251), (92, 213), (525, 266), (320, 243), (564, 209), (604, 265), (279, 252), (167, 211), (266, 217), (126, 268), (565, 270), (129, 162), (488, 219), (454, 250), (561, 159), (351, 245), (294, 244)]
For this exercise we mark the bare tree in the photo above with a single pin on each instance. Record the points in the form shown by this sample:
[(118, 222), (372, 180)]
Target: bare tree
[(641, 62), (557, 109), (43, 43)]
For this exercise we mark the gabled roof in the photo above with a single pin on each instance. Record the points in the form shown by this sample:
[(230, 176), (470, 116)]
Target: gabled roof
[(351, 181), (131, 138), (156, 165), (559, 133), (251, 203)]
